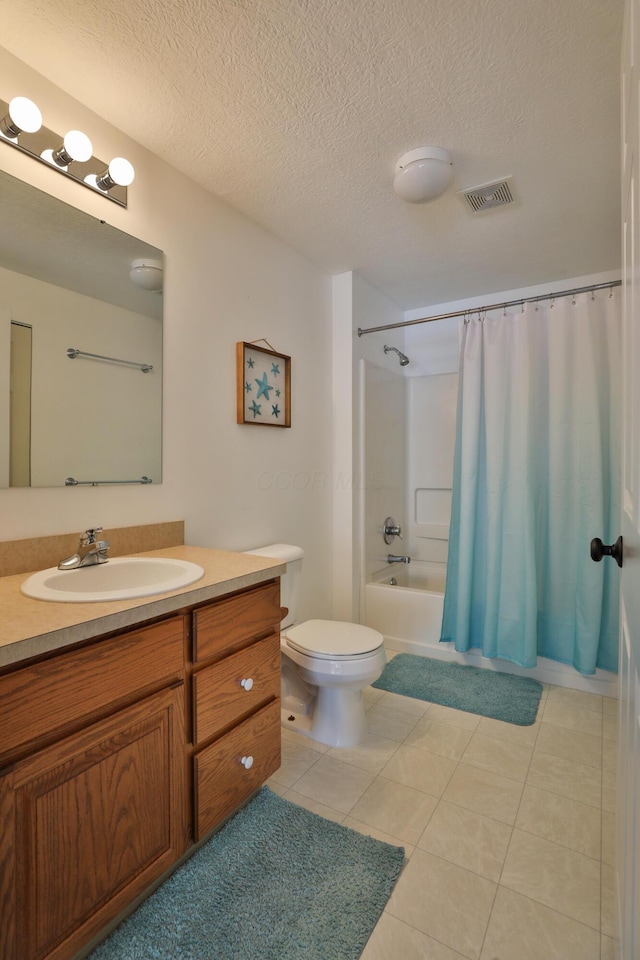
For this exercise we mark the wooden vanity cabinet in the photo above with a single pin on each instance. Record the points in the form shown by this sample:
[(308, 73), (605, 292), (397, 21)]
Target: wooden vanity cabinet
[(101, 750)]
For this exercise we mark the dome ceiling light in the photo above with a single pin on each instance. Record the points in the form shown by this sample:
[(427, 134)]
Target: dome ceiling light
[(147, 274), (423, 174)]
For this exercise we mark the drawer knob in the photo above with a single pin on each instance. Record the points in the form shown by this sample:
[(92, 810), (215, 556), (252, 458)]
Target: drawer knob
[(247, 684), (247, 762)]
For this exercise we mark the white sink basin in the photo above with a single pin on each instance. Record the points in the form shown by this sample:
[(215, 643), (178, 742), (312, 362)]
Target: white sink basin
[(123, 578)]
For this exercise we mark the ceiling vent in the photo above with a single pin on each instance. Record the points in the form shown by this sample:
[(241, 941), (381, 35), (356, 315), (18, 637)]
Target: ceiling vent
[(488, 195)]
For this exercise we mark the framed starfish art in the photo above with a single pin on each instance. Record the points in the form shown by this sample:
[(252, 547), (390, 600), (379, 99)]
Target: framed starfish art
[(264, 386)]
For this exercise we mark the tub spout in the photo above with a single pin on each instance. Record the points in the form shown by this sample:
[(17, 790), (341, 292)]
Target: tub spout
[(392, 558)]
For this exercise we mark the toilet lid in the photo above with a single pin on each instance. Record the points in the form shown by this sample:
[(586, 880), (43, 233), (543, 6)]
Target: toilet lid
[(333, 639)]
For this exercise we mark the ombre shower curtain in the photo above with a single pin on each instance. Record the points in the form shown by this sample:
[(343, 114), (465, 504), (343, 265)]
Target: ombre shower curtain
[(536, 477)]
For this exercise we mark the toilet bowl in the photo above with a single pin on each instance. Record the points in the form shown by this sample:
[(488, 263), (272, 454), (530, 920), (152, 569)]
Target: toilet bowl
[(325, 664)]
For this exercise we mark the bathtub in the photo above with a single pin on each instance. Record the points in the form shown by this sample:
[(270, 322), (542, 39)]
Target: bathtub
[(408, 614)]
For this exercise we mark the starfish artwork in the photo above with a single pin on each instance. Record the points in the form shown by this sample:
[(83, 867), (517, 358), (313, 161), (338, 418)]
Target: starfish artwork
[(248, 387), (256, 409), (277, 393), (263, 387), (275, 410), (275, 369), (251, 362)]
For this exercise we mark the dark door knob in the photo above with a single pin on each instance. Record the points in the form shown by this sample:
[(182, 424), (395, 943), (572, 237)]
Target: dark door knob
[(600, 550)]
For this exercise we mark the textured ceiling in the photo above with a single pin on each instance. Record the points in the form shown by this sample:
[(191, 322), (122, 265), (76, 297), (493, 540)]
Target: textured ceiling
[(295, 111)]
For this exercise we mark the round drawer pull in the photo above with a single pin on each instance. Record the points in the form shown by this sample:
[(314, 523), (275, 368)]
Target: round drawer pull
[(247, 684), (247, 762)]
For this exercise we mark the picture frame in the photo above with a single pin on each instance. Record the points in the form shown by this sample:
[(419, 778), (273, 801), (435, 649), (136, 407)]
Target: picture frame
[(263, 386)]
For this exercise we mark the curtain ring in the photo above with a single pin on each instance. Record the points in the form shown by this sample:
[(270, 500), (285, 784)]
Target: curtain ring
[(610, 293), (553, 300), (537, 302), (504, 309), (522, 308)]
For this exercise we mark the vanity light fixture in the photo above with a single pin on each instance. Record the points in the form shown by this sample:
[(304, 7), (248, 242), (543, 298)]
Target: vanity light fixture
[(22, 116), (21, 127), (75, 146)]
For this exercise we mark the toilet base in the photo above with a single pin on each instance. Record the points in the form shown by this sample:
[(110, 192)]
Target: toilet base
[(338, 718)]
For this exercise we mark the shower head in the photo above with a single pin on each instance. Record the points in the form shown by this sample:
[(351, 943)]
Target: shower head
[(404, 359)]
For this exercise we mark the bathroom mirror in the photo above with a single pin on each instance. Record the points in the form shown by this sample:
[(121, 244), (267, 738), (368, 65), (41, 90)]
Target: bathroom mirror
[(94, 417)]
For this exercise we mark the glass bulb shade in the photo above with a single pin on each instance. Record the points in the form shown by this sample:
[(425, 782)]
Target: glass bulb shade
[(423, 174), (121, 171), (78, 146), (147, 274), (25, 115)]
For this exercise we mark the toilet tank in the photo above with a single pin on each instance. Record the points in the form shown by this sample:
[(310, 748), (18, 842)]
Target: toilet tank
[(290, 581)]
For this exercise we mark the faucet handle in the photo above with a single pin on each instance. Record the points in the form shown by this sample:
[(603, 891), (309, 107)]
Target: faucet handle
[(90, 536), (390, 530)]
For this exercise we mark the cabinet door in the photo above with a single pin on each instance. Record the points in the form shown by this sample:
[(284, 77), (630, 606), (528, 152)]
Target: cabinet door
[(94, 820)]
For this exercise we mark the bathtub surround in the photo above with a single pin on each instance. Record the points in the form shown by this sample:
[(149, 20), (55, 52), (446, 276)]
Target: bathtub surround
[(501, 696), (277, 882), (536, 477)]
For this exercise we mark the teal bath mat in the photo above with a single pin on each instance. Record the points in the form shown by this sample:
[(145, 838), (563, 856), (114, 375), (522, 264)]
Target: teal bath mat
[(502, 696), (276, 883)]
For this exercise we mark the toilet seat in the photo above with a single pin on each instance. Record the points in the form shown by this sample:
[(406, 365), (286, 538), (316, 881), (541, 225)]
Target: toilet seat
[(333, 640)]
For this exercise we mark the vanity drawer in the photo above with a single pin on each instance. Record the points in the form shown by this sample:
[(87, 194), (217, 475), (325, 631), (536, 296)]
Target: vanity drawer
[(229, 623), (45, 697), (221, 781), (219, 699)]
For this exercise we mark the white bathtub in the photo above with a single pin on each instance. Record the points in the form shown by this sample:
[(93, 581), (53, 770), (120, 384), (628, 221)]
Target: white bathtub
[(409, 616)]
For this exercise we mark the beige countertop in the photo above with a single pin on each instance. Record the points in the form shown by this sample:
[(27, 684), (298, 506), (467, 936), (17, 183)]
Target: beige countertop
[(29, 628)]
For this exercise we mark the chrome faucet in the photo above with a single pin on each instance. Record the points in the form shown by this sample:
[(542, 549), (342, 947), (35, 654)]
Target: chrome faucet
[(90, 551), (392, 558)]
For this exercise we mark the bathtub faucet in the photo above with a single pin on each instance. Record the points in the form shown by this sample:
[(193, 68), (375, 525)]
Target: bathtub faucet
[(392, 558)]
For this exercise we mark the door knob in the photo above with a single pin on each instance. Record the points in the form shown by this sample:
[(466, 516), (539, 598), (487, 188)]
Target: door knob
[(600, 550)]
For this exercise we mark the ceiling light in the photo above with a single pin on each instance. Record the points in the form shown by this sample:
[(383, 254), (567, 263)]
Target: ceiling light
[(423, 174), (23, 117), (147, 274)]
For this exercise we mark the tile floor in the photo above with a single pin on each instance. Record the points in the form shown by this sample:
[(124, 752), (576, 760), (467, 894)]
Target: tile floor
[(508, 831)]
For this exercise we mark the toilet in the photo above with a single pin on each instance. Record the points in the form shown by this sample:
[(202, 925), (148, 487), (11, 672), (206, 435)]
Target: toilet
[(325, 664)]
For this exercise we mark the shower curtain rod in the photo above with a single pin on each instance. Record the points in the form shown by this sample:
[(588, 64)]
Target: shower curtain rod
[(493, 306)]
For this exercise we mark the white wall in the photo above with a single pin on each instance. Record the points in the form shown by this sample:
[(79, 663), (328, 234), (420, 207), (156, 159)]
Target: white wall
[(226, 279)]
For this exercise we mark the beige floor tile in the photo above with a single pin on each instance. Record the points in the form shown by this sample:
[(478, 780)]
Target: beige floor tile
[(521, 929), (370, 754), (511, 732), (570, 744), (370, 831), (296, 760), (498, 756), (310, 804), (574, 718), (336, 784), (419, 769), (608, 901), (277, 787), (576, 698), (610, 706), (292, 736), (392, 938), (553, 875), (566, 777), (610, 727), (371, 695), (389, 722), (395, 809), (568, 822), (441, 738), (468, 839), (608, 838), (484, 792), (433, 895), (609, 756), (459, 718), (609, 791), (396, 701)]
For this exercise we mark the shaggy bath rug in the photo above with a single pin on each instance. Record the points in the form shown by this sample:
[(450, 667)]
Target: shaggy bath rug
[(502, 696), (276, 883)]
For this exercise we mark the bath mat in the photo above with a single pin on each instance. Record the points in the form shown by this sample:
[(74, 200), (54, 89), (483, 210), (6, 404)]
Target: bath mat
[(276, 883), (503, 696)]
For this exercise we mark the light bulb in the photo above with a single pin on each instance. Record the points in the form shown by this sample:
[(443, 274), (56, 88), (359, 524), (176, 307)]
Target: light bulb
[(119, 172), (23, 117), (76, 146)]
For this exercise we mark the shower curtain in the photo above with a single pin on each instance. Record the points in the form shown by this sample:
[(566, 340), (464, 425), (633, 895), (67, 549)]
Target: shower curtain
[(536, 477)]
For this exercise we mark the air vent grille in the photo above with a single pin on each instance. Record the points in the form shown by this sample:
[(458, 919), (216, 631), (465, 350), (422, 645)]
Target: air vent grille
[(488, 195)]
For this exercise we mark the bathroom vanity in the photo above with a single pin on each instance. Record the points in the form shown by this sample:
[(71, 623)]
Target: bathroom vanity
[(127, 736)]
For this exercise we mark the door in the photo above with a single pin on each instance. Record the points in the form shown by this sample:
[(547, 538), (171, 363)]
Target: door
[(628, 780)]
